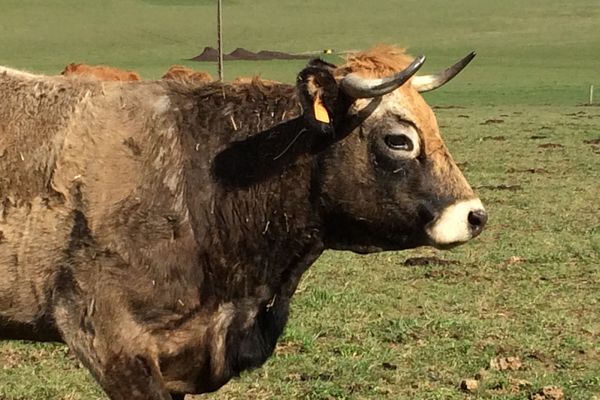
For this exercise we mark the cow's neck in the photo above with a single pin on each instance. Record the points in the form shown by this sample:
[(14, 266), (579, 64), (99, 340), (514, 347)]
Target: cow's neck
[(263, 237), (265, 217)]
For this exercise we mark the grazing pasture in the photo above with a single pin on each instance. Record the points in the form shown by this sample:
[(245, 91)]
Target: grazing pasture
[(415, 324)]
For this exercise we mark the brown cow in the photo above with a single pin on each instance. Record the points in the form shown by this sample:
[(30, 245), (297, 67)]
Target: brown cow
[(160, 230), (101, 72), (179, 72), (241, 80)]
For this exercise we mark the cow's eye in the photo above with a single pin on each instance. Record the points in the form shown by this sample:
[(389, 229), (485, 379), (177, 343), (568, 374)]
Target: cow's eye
[(399, 142)]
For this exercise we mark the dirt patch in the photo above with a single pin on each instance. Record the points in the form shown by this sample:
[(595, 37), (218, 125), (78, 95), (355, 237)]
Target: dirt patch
[(212, 54), (450, 107), (492, 121), (538, 137), (551, 146), (588, 105), (423, 261), (311, 377), (549, 393), (512, 188), (463, 116), (469, 385), (594, 144), (506, 363), (389, 366), (514, 260), (496, 138), (288, 347), (527, 170)]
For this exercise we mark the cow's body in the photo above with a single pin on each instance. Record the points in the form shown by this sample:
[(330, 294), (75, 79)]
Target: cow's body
[(179, 72), (130, 221), (101, 72), (160, 230)]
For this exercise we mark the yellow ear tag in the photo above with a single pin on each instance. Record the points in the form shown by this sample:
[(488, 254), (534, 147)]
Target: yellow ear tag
[(321, 113)]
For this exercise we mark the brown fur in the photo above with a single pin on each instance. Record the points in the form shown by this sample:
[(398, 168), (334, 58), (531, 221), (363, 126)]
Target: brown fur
[(161, 228), (253, 79), (101, 72), (381, 60), (179, 72)]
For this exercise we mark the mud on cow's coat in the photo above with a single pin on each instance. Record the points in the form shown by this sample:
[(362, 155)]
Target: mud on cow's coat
[(160, 229)]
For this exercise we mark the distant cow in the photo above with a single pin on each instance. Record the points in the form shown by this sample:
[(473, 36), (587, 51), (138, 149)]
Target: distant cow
[(101, 72), (253, 79), (179, 72), (160, 230)]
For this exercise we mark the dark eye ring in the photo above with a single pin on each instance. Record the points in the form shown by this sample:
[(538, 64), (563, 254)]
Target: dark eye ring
[(399, 142)]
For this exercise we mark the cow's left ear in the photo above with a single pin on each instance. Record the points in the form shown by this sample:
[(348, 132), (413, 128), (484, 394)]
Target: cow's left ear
[(319, 95)]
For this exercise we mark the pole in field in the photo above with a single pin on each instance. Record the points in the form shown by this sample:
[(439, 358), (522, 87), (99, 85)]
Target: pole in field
[(220, 38), (591, 94)]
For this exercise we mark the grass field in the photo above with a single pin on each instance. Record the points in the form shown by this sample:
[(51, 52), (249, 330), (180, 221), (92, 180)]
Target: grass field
[(372, 327)]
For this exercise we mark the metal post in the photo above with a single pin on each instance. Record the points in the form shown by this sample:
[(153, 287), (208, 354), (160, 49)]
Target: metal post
[(220, 38), (591, 94)]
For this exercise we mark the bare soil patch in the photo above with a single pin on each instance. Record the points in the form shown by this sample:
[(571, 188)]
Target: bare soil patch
[(534, 170), (450, 107), (492, 121), (551, 146), (423, 261), (496, 138), (512, 188)]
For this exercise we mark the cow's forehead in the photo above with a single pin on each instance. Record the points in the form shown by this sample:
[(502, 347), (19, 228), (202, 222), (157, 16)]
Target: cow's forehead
[(377, 62), (405, 104)]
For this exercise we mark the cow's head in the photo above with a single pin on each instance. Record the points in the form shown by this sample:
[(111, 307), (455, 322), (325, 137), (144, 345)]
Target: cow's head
[(391, 183)]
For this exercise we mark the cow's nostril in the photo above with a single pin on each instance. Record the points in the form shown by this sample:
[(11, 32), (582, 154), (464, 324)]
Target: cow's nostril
[(477, 220)]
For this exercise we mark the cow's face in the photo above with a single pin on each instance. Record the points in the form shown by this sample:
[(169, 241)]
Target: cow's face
[(391, 184)]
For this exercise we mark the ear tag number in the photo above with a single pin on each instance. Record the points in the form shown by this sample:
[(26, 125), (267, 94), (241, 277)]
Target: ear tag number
[(321, 113)]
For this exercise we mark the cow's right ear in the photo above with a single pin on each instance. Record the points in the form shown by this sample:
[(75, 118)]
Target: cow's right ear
[(319, 93)]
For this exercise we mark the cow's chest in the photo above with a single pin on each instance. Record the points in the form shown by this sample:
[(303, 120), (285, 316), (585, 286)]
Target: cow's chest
[(208, 351)]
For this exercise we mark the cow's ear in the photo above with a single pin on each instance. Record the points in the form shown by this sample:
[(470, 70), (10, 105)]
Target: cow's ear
[(319, 94)]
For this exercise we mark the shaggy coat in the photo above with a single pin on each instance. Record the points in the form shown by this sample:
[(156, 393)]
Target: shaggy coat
[(160, 230)]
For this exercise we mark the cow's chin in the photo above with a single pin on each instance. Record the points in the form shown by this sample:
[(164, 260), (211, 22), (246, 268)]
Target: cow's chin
[(374, 244)]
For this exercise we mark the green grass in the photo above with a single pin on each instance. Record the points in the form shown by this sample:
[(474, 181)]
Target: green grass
[(370, 327), (534, 52)]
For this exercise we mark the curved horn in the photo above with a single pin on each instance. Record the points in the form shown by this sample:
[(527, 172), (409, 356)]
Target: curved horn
[(365, 88), (426, 83)]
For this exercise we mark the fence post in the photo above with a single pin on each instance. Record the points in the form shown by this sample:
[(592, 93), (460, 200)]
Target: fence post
[(220, 38)]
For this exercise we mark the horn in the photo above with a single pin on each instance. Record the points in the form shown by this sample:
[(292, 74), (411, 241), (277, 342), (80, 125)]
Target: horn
[(426, 83), (365, 88)]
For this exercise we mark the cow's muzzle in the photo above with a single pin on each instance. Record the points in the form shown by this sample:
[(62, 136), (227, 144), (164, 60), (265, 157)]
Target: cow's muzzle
[(457, 223)]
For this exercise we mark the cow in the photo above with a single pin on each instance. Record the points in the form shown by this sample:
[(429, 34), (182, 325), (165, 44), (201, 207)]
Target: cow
[(101, 72), (252, 79), (183, 73), (160, 230)]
